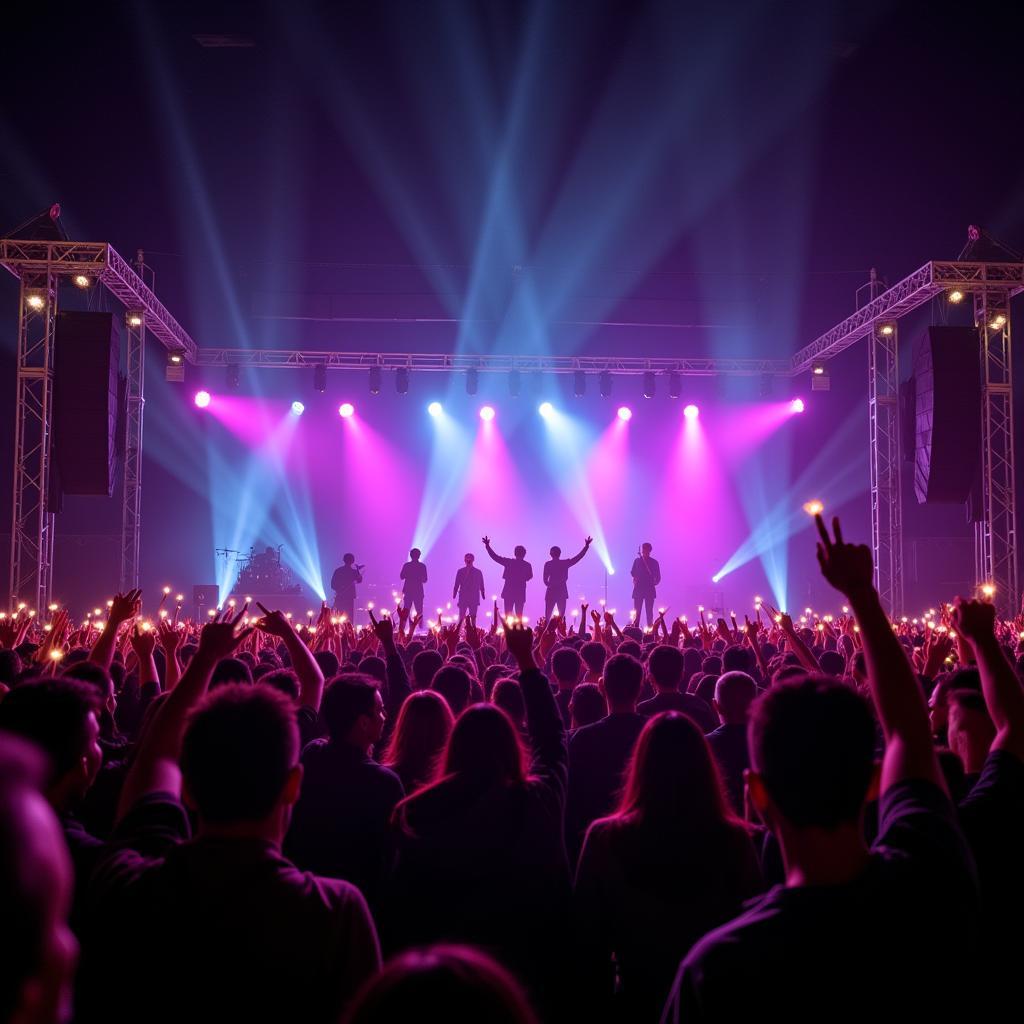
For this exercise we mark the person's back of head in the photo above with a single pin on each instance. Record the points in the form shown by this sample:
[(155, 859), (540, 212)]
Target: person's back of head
[(666, 666), (788, 674), (812, 744), (737, 659), (375, 667), (508, 696), (424, 667), (587, 705), (98, 678), (470, 986), (350, 702), (711, 666), (284, 680), (832, 663), (594, 655), (491, 675), (60, 717), (672, 779), (566, 665), (230, 670), (455, 685), (10, 667), (420, 735), (484, 748), (631, 645), (328, 662), (970, 729), (37, 950), (623, 676), (734, 693), (239, 755)]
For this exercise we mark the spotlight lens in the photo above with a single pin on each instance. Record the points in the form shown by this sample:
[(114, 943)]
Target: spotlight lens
[(298, 408), (487, 413), (35, 301), (625, 413), (819, 371), (346, 409), (434, 409), (202, 399), (546, 409), (956, 296), (691, 412), (81, 281), (797, 405)]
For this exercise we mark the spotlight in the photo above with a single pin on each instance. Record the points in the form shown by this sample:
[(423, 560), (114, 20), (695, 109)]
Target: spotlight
[(487, 413), (546, 410), (998, 322), (888, 330), (298, 408), (232, 375), (435, 409), (675, 384), (320, 378), (988, 590), (472, 381), (691, 412), (797, 405), (956, 296), (81, 281), (175, 368), (814, 507), (818, 368), (374, 380), (820, 380), (625, 413), (202, 399), (35, 301), (133, 319), (346, 410), (402, 380), (650, 385), (515, 383), (579, 384), (605, 382)]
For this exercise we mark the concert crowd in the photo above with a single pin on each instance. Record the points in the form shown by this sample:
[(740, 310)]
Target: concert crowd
[(258, 820)]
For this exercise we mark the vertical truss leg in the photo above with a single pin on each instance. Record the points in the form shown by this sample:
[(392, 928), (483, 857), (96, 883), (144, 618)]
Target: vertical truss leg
[(886, 494), (997, 536), (131, 519), (32, 524)]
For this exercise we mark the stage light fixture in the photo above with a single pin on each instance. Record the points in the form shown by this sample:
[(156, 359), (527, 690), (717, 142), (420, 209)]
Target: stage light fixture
[(402, 380), (35, 300), (81, 281), (956, 296), (579, 384), (691, 412), (998, 322), (298, 408), (320, 378), (515, 383), (133, 319), (888, 330), (472, 381), (605, 383), (374, 380), (175, 368), (487, 413), (232, 376), (546, 409), (820, 379), (797, 405), (675, 384), (650, 385), (346, 410), (202, 399), (818, 368), (625, 413), (435, 409)]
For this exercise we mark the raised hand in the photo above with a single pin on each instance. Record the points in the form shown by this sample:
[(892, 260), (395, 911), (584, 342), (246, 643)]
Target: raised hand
[(221, 639), (846, 566), (519, 640), (383, 629), (974, 620), (487, 541), (169, 637), (125, 606), (143, 642), (275, 623), (473, 637), (588, 542)]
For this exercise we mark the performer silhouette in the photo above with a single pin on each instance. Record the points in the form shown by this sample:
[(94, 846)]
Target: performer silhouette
[(414, 573), (343, 583), (468, 589), (518, 572), (556, 579), (646, 575)]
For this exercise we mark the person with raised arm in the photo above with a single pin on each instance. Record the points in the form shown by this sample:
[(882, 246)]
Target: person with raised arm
[(518, 572), (646, 573), (556, 579), (223, 921), (414, 579), (854, 928), (343, 583), (468, 589)]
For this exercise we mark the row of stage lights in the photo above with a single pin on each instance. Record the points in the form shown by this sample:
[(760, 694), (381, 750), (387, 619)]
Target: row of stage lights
[(487, 413)]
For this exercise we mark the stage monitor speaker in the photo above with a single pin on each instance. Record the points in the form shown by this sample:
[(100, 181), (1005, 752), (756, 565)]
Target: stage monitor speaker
[(947, 394), (85, 402)]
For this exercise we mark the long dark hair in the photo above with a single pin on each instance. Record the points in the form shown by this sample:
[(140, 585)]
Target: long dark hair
[(419, 738), (672, 778), (485, 747)]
